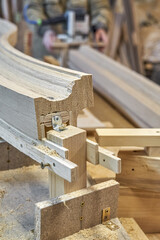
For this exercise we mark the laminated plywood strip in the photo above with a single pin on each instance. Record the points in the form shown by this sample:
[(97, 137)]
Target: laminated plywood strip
[(134, 95), (30, 88)]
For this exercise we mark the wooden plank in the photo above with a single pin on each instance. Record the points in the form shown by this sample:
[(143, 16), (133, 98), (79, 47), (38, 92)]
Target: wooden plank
[(140, 171), (74, 211), (133, 37), (133, 229), (133, 94), (73, 139), (30, 88), (143, 206), (38, 152), (128, 137)]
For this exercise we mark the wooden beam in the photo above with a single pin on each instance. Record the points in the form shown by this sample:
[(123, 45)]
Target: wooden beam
[(75, 211), (128, 137), (73, 139), (30, 88), (140, 171), (134, 95), (39, 152), (141, 205)]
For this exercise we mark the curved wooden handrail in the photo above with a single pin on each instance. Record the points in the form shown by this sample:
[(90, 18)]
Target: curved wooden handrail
[(30, 88)]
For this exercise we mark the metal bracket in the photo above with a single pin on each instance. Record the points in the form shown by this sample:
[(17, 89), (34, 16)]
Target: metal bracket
[(106, 219), (57, 123), (106, 214)]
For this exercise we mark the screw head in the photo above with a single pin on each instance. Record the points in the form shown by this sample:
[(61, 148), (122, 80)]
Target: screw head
[(42, 165)]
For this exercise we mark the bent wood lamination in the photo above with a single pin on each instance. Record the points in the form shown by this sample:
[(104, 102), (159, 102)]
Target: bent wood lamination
[(30, 88)]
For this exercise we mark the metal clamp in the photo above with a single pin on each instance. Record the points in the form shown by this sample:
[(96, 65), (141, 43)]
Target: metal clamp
[(57, 123)]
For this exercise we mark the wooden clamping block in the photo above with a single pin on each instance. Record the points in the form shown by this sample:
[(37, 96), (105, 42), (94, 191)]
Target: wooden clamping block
[(60, 217), (98, 155), (153, 151), (73, 139)]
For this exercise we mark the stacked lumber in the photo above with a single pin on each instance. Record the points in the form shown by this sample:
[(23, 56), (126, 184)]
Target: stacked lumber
[(30, 90), (134, 95)]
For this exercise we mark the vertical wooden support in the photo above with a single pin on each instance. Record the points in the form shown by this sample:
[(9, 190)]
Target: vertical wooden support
[(73, 118), (74, 139)]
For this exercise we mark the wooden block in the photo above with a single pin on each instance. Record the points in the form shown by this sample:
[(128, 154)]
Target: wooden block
[(4, 161), (98, 155), (92, 152), (153, 151), (30, 88), (140, 170), (108, 160), (73, 139), (98, 174), (128, 137), (78, 210), (143, 206), (87, 121)]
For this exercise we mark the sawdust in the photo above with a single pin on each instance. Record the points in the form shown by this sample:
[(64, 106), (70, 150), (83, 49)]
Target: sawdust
[(2, 193), (132, 228), (99, 232), (48, 151)]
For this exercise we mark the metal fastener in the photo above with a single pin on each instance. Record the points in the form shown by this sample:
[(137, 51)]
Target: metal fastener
[(44, 165)]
